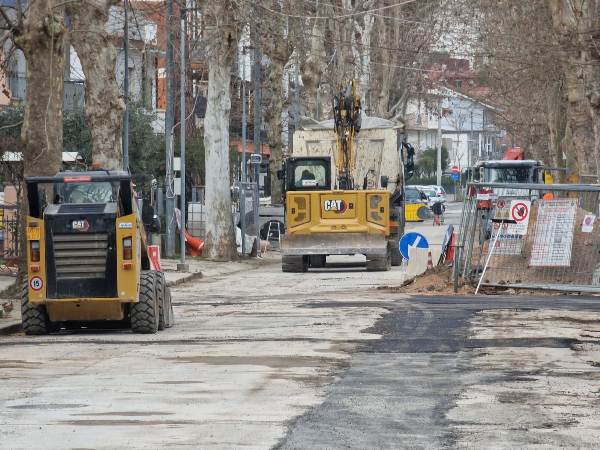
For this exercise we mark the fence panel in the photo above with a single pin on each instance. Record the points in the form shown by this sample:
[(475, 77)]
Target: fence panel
[(246, 214), (9, 234), (530, 236)]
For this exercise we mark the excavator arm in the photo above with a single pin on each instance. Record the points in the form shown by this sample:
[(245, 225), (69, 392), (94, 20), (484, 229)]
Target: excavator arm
[(347, 122)]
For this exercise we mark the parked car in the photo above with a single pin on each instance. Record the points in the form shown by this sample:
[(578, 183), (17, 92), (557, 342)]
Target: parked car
[(416, 204), (431, 194), (441, 192)]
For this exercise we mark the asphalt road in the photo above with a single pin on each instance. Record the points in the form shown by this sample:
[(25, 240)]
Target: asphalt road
[(430, 382), (262, 359)]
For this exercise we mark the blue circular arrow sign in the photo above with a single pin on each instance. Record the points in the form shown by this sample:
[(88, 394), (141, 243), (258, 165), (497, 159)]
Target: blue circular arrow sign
[(412, 239)]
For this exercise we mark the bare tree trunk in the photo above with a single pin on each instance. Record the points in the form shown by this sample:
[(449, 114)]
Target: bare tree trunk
[(556, 117), (41, 38), (103, 103), (278, 49), (42, 131), (571, 26), (313, 67), (589, 43), (360, 34), (274, 127), (580, 134), (223, 39)]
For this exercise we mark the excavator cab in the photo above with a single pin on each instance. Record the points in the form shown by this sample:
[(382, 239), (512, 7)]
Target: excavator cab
[(307, 174)]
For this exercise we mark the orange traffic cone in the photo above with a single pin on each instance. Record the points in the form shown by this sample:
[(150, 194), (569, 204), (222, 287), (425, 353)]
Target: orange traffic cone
[(450, 252), (429, 261)]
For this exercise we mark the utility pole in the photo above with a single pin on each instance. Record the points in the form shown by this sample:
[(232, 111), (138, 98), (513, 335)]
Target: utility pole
[(244, 168), (126, 88), (182, 266), (169, 122), (318, 102), (439, 142), (471, 140), (296, 94), (257, 79)]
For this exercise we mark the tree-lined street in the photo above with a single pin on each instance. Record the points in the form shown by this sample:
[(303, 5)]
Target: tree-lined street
[(299, 224)]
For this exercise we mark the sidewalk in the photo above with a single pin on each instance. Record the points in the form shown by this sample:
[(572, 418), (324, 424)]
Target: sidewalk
[(202, 268), (9, 321), (6, 281)]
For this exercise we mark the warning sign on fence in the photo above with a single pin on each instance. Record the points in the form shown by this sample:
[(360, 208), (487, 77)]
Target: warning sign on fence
[(587, 226), (553, 240), (511, 220), (519, 212), (508, 243), (515, 213)]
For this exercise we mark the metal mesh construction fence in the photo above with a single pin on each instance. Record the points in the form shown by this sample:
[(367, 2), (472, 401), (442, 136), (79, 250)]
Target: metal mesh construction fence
[(9, 237), (530, 236)]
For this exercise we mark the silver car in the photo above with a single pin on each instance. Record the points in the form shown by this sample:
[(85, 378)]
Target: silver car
[(440, 192)]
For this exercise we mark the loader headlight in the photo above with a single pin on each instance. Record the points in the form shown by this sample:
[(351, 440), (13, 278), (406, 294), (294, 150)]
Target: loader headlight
[(34, 251), (127, 250)]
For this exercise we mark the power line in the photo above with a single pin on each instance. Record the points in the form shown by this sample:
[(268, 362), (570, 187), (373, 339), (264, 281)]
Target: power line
[(342, 16), (396, 19)]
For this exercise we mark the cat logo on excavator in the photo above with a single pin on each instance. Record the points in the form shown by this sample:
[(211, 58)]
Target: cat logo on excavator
[(338, 206)]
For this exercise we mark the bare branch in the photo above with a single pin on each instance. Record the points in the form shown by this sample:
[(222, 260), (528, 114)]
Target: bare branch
[(12, 125), (9, 22), (19, 13)]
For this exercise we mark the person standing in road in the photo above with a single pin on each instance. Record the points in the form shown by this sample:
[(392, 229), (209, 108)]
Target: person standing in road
[(438, 211)]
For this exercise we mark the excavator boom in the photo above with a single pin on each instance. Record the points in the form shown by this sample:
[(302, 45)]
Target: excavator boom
[(347, 122)]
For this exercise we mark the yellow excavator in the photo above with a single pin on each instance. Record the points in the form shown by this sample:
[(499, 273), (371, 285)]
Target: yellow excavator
[(344, 196)]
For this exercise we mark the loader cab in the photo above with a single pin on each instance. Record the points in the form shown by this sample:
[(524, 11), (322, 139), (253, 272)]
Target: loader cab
[(307, 174), (83, 189)]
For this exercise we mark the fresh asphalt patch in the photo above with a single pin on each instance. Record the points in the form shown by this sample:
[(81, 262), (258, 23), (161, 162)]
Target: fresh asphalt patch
[(397, 390)]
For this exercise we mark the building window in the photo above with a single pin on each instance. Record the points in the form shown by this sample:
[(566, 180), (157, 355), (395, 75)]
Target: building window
[(458, 84)]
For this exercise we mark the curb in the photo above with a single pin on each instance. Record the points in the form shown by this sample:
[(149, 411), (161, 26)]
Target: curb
[(9, 328), (187, 278)]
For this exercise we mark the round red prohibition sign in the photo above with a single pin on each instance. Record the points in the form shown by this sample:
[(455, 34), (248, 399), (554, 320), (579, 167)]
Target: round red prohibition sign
[(519, 212)]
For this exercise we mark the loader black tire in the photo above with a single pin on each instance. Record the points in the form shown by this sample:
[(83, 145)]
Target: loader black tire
[(317, 261), (170, 316), (379, 263), (34, 318), (146, 312), (396, 257), (164, 298), (161, 286), (294, 264), (394, 246)]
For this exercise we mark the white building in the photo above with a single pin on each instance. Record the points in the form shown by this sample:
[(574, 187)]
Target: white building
[(467, 126)]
